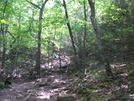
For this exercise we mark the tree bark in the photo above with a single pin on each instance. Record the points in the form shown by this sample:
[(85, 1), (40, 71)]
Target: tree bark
[(69, 28), (84, 38), (4, 29), (37, 67), (98, 38), (85, 27), (70, 33)]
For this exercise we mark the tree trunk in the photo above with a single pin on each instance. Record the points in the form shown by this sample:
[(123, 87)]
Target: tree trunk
[(84, 38), (37, 67), (85, 28), (70, 33), (98, 38), (4, 29)]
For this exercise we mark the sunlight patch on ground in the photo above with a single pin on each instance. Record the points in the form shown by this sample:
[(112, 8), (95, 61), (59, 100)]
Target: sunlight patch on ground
[(43, 95), (124, 86), (118, 65), (124, 74), (58, 80)]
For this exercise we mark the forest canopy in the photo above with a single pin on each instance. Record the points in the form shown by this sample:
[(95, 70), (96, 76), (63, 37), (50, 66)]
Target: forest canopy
[(89, 32), (84, 45)]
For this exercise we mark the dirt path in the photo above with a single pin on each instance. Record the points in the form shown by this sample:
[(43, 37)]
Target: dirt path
[(43, 89)]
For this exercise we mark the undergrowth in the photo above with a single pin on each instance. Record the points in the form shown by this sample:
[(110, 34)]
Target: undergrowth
[(97, 86), (2, 86)]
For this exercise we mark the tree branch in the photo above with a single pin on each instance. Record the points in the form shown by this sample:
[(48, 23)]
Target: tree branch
[(33, 4), (44, 3), (11, 34)]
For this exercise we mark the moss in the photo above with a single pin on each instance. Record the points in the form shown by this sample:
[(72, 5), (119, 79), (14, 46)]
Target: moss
[(131, 79), (94, 96), (4, 86), (84, 91), (105, 83), (1, 85), (127, 97), (95, 91), (131, 73), (129, 67)]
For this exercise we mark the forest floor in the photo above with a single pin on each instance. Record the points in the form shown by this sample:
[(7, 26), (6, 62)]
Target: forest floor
[(56, 83), (99, 87)]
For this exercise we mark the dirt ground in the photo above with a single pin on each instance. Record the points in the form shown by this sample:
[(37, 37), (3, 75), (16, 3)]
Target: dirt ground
[(59, 83)]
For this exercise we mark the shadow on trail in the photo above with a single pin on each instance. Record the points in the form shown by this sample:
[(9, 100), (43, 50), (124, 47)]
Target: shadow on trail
[(55, 84)]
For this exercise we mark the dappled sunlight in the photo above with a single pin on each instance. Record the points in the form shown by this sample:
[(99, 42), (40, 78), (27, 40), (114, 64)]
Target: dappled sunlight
[(124, 86), (43, 95), (59, 81), (45, 88), (51, 50), (116, 87), (58, 61), (124, 74)]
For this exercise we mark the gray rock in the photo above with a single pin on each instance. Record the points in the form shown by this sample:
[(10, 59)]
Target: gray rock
[(128, 97), (68, 97), (41, 82), (50, 79), (6, 100), (31, 98)]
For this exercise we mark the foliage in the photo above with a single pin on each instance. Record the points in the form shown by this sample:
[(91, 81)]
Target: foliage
[(19, 26), (2, 86)]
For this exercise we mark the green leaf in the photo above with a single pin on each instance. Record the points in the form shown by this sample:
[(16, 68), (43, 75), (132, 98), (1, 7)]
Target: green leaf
[(1, 38), (5, 21)]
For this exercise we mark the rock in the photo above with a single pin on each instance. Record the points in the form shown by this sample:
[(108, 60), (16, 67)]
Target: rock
[(55, 86), (128, 97), (41, 82), (20, 96), (63, 83), (42, 100), (67, 97), (43, 93), (31, 98), (51, 79), (6, 100)]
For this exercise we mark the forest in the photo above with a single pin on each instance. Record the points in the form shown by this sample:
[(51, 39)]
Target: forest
[(67, 50)]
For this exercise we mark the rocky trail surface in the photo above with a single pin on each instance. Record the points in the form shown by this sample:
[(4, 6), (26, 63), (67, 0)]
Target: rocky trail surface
[(55, 86)]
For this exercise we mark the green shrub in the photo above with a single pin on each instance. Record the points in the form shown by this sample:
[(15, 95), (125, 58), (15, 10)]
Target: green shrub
[(1, 85)]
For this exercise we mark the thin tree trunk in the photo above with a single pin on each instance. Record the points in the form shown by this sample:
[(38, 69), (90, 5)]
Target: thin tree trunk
[(84, 38), (98, 38), (94, 24), (4, 46), (37, 67), (85, 27), (70, 33), (4, 29)]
